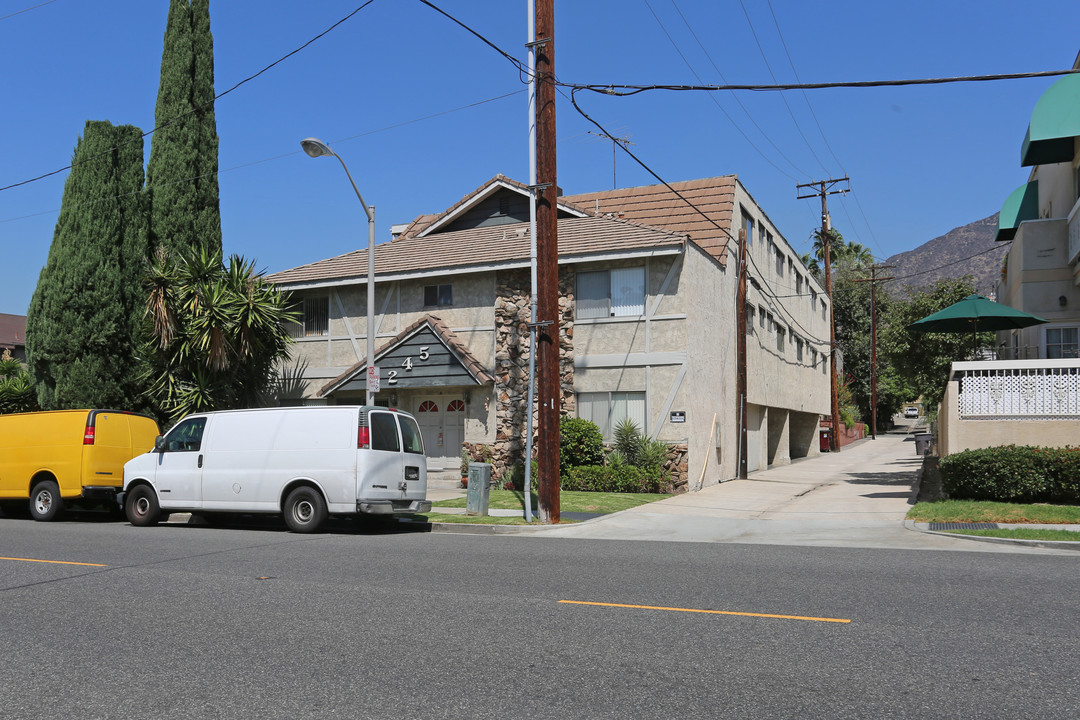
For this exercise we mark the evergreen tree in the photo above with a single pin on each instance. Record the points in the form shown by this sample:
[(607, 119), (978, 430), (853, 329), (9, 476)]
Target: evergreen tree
[(182, 172), (83, 319)]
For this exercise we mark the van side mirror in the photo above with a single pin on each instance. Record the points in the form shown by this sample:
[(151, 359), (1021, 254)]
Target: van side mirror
[(159, 444)]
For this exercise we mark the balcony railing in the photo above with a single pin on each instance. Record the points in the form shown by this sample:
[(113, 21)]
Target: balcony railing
[(1021, 389)]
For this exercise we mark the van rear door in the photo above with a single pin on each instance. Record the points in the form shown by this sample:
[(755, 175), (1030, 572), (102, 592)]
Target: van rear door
[(381, 465)]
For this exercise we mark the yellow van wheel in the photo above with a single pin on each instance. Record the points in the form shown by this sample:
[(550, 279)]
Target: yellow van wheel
[(45, 501)]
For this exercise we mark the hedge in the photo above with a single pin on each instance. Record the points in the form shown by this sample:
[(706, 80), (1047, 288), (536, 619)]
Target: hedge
[(1014, 473), (616, 478)]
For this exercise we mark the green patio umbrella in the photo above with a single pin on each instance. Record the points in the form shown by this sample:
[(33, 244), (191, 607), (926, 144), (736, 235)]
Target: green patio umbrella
[(973, 314)]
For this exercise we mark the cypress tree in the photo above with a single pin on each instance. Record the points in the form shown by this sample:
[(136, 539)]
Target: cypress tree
[(182, 172), (83, 320)]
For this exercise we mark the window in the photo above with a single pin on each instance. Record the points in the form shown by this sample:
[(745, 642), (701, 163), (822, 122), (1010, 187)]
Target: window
[(761, 317), (312, 318), (779, 263), (772, 323), (608, 409), (748, 226), (750, 321), (1062, 343), (798, 348), (438, 295), (798, 284), (410, 435), (611, 293), (813, 295), (770, 244), (780, 338), (186, 437), (383, 432)]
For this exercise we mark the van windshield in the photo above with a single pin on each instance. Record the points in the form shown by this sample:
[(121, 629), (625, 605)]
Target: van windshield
[(410, 433)]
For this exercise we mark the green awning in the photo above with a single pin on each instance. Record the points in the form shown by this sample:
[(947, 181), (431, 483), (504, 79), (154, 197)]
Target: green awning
[(1022, 204), (1055, 122)]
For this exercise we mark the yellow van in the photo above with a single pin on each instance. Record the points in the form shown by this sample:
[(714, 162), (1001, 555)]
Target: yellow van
[(50, 458)]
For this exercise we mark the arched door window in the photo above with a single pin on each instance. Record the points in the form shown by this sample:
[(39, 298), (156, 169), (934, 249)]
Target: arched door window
[(428, 406), (455, 406)]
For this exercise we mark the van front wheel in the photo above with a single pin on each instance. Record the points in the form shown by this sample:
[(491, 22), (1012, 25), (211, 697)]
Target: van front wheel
[(305, 510), (45, 501), (141, 506)]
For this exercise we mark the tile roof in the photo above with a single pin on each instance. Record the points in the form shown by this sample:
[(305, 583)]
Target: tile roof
[(12, 331), (457, 348), (425, 223), (484, 246), (657, 206)]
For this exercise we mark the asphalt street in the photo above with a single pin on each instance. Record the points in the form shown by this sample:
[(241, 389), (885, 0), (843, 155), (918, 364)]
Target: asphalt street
[(254, 622)]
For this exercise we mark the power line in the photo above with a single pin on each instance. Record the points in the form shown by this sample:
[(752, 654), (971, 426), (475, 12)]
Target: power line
[(733, 95), (195, 109), (285, 155), (20, 12)]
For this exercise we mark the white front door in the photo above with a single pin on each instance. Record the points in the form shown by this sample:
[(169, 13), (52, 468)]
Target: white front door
[(442, 425)]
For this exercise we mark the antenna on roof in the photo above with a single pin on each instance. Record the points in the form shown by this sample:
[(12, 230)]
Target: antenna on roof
[(615, 141)]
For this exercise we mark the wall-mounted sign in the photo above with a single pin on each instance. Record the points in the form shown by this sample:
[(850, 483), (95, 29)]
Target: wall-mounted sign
[(678, 416)]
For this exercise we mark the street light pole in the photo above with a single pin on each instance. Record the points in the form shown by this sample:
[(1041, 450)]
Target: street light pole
[(317, 148)]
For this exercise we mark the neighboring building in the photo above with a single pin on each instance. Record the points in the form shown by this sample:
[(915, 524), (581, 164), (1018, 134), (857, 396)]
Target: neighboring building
[(647, 308), (1041, 275), (13, 335), (1031, 394)]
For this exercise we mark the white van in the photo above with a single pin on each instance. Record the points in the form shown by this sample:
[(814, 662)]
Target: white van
[(303, 462)]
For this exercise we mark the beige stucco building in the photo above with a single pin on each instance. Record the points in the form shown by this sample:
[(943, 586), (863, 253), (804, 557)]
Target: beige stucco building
[(647, 325)]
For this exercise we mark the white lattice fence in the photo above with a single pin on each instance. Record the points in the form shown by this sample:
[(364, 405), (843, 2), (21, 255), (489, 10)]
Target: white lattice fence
[(1020, 393)]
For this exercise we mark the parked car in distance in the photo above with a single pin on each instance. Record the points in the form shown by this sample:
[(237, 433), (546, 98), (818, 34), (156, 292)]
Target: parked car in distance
[(911, 412), (68, 456), (303, 462)]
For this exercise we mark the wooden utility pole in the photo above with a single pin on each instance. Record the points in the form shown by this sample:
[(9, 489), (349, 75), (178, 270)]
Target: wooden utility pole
[(740, 343), (824, 189), (548, 375), (873, 280)]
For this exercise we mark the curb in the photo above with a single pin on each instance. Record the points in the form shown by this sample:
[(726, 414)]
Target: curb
[(1048, 544)]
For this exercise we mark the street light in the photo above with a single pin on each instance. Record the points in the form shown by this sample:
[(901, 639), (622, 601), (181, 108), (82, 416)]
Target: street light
[(317, 148)]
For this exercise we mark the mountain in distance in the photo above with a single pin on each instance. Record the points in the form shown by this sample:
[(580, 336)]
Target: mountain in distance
[(966, 250)]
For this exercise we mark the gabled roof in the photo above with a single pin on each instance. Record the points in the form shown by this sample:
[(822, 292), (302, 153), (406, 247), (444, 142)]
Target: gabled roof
[(484, 247), (442, 333), (660, 207), (12, 331), (427, 224)]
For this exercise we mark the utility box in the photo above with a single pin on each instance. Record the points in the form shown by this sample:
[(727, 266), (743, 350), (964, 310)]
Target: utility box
[(476, 496), (824, 440), (922, 443)]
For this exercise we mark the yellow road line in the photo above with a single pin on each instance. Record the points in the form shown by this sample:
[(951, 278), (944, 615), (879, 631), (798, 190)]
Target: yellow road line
[(709, 612), (53, 562)]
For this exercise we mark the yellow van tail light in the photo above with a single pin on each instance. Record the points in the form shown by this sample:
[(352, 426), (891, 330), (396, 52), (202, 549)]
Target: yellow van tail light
[(88, 435)]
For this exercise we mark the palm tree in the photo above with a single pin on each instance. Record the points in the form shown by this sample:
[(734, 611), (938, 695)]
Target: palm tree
[(214, 334)]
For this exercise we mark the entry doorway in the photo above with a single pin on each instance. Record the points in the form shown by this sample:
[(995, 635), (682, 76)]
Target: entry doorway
[(442, 425)]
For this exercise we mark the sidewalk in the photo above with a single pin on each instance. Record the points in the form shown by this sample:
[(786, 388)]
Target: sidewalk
[(858, 497)]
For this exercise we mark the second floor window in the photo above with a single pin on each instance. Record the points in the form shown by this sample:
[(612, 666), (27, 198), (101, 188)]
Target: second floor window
[(1062, 343), (438, 295), (312, 318), (611, 293)]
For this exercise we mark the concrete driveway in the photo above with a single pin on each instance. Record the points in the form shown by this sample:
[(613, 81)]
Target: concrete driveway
[(854, 498)]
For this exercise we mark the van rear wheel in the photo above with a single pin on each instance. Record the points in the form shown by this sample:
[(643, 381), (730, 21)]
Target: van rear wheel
[(45, 501), (141, 506), (305, 510)]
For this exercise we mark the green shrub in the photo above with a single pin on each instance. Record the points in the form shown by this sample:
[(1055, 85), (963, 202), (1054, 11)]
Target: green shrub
[(1013, 473), (615, 478), (580, 443), (517, 478)]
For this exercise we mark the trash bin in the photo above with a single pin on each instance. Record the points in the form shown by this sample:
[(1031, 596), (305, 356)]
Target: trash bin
[(825, 440), (476, 497), (922, 443)]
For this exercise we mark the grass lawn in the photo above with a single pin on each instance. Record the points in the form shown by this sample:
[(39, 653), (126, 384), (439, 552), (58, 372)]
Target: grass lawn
[(945, 511), (569, 501), (981, 511)]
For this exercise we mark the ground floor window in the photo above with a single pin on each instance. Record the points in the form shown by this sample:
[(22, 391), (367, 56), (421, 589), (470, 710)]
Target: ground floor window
[(1062, 343), (608, 409)]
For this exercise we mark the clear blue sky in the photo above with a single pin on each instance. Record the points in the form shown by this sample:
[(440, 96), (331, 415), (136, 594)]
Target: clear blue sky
[(922, 160)]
